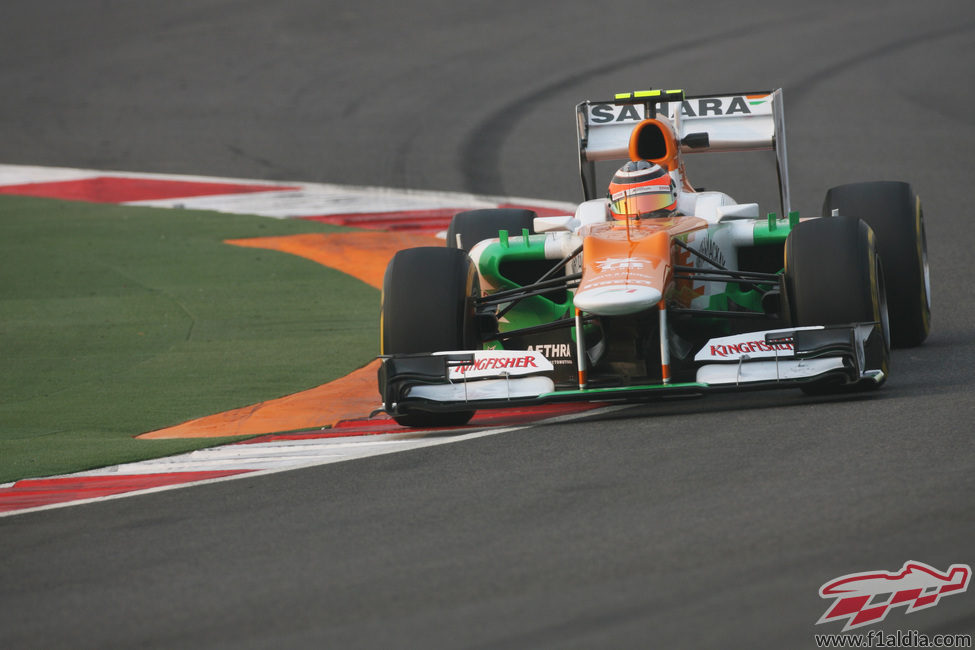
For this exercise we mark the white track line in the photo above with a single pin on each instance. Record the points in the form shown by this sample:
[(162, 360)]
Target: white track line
[(332, 450)]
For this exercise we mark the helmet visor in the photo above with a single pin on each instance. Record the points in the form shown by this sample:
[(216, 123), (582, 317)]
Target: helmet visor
[(641, 200)]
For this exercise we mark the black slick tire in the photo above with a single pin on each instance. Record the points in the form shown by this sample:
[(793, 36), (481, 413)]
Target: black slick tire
[(894, 212), (428, 306)]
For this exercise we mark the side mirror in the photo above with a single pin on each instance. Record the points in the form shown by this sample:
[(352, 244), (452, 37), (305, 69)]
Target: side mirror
[(696, 140)]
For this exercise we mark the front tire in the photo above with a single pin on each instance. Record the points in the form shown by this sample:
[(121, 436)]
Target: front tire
[(893, 211), (834, 276), (428, 306)]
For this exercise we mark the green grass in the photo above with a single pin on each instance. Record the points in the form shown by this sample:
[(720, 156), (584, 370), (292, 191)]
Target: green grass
[(118, 320)]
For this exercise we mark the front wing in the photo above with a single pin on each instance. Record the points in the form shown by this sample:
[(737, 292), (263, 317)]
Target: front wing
[(479, 379)]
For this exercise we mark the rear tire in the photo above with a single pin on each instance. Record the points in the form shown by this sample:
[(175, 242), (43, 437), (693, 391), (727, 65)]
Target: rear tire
[(893, 211), (428, 306), (834, 276), (469, 228)]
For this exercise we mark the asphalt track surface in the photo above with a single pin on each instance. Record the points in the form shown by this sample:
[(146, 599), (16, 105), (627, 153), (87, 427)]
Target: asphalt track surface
[(706, 523)]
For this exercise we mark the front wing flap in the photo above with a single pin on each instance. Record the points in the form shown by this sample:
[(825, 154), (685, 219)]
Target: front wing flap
[(479, 379)]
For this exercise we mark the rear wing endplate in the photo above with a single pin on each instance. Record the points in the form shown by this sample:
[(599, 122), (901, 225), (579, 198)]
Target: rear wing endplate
[(751, 121)]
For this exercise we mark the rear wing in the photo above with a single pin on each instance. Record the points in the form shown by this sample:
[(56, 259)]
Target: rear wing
[(752, 121)]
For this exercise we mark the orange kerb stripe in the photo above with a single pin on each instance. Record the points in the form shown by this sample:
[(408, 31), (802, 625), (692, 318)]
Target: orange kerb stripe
[(362, 255), (352, 396)]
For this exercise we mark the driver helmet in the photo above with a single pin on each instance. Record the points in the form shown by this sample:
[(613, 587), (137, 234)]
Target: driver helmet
[(640, 190)]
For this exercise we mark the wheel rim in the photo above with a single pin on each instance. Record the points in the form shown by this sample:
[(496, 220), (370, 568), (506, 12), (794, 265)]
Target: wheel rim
[(926, 272), (882, 300)]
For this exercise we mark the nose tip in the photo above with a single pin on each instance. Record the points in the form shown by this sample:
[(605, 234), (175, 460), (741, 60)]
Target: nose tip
[(617, 300)]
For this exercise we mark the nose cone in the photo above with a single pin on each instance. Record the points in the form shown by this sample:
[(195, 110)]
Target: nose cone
[(617, 299)]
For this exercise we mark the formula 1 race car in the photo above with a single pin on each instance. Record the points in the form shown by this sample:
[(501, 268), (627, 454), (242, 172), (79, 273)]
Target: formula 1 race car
[(656, 289)]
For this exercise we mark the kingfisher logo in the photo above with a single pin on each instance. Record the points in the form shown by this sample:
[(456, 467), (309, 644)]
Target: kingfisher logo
[(748, 347), (498, 363), (866, 598)]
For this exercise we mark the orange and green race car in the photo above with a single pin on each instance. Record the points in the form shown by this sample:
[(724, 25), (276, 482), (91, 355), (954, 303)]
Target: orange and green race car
[(654, 288)]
